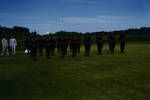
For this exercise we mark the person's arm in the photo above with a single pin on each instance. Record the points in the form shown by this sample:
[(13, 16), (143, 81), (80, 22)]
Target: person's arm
[(10, 43), (7, 43), (2, 41), (15, 42)]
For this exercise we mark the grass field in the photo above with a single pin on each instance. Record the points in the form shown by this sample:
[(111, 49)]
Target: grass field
[(104, 77)]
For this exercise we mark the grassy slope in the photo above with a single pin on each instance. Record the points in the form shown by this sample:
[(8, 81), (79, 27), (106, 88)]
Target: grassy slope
[(107, 77)]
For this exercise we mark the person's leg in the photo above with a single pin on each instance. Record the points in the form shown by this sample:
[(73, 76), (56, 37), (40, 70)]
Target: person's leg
[(98, 49), (78, 49), (110, 47), (7, 51), (85, 50), (14, 50), (53, 50), (47, 53), (63, 53), (122, 48), (11, 50), (101, 48), (41, 52), (35, 54), (31, 54), (75, 52), (88, 51), (113, 48), (29, 50), (3, 50), (74, 49)]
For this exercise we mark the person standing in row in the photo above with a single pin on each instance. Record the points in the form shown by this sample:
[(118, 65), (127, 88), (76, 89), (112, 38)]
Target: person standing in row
[(27, 43), (74, 46), (78, 45), (70, 44), (4, 47), (41, 46), (13, 44), (112, 43), (87, 45), (53, 46), (99, 42), (122, 43), (63, 46), (47, 47), (34, 47), (58, 44)]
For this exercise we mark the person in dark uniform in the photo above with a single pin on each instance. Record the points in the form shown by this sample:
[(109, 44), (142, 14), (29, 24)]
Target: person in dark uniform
[(78, 45), (112, 43), (41, 46), (27, 43), (53, 46), (70, 43), (63, 46), (122, 43), (58, 44), (99, 42), (87, 45), (47, 47), (34, 47), (74, 46)]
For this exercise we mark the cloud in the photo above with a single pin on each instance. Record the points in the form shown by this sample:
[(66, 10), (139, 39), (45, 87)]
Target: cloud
[(101, 23), (94, 20)]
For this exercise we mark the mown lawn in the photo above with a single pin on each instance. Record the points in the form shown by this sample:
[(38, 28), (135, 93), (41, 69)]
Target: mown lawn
[(104, 77)]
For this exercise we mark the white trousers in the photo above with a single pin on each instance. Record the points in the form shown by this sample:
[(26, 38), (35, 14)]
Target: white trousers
[(13, 49), (4, 50)]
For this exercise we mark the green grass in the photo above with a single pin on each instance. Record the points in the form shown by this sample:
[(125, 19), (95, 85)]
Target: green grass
[(106, 77)]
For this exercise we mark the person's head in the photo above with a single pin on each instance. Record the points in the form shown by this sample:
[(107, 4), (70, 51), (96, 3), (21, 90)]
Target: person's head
[(12, 37), (4, 38), (122, 34)]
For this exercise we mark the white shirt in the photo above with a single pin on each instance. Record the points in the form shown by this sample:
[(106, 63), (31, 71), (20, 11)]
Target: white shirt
[(4, 42), (13, 42)]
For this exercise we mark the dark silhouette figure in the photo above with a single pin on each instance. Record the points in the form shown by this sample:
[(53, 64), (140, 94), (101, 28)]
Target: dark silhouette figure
[(99, 42), (122, 43), (87, 45), (53, 46), (41, 46), (74, 46), (47, 47), (63, 46), (78, 45), (71, 43), (28, 44), (58, 44), (112, 43), (34, 47)]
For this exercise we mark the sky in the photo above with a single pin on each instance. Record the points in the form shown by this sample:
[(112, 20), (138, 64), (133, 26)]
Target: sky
[(75, 15)]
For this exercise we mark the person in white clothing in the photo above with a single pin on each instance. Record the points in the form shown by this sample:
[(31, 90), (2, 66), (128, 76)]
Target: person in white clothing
[(4, 47), (13, 44)]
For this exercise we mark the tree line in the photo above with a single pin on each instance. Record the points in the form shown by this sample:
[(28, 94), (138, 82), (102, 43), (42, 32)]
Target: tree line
[(20, 33)]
